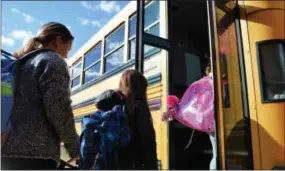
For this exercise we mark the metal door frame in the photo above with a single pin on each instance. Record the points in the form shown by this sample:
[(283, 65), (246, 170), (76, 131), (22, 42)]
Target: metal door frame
[(246, 114), (143, 38)]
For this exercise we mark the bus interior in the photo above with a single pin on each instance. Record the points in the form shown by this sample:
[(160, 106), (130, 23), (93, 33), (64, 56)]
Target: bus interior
[(189, 58)]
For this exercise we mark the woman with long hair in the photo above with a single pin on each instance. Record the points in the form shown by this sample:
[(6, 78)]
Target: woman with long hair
[(41, 116), (143, 154)]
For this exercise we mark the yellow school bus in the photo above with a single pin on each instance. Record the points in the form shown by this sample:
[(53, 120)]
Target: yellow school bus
[(178, 39)]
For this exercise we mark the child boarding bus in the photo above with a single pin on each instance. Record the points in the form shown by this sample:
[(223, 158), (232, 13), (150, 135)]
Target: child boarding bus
[(180, 39)]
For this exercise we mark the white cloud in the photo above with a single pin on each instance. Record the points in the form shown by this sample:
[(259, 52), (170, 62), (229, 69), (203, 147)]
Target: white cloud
[(22, 35), (113, 45), (42, 22), (96, 23), (133, 49), (85, 21), (69, 27), (110, 6), (7, 41), (88, 6), (16, 35), (28, 18), (116, 59), (106, 6), (15, 10), (91, 73), (76, 70)]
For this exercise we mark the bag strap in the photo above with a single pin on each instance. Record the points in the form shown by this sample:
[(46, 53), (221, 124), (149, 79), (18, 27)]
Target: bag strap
[(190, 140)]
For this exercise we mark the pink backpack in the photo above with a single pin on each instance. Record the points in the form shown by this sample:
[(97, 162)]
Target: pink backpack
[(196, 107)]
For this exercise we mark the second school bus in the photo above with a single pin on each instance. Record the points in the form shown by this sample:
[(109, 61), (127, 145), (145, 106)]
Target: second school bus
[(239, 36)]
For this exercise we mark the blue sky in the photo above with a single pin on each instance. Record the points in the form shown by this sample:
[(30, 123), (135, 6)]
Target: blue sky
[(22, 19)]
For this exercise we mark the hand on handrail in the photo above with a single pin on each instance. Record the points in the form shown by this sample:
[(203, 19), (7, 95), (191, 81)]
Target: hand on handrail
[(72, 160), (169, 115)]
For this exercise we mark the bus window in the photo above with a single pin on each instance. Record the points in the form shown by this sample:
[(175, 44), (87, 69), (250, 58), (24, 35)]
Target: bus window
[(151, 26), (152, 15), (76, 75), (272, 70), (132, 37), (92, 64), (114, 49)]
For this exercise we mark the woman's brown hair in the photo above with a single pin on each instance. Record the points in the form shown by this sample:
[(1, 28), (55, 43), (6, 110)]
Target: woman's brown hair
[(208, 69), (47, 34), (134, 85)]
